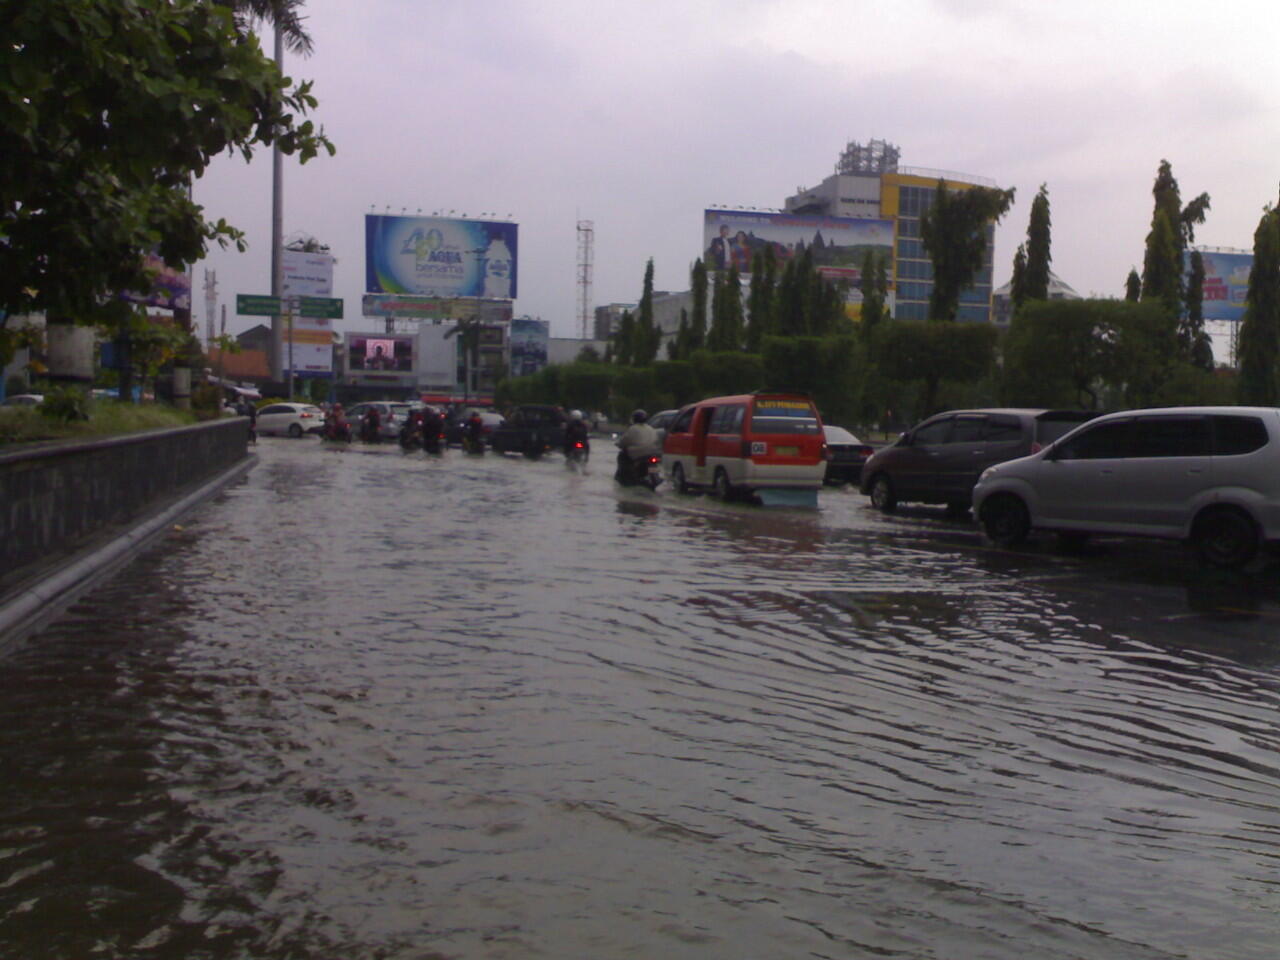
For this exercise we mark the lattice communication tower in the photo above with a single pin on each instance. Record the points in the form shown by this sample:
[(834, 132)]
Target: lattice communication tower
[(586, 254)]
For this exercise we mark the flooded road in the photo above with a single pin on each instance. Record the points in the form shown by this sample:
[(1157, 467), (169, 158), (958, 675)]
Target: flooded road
[(366, 705)]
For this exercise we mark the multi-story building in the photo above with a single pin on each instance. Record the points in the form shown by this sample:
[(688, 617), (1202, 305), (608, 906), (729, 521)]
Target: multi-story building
[(868, 182), (608, 317)]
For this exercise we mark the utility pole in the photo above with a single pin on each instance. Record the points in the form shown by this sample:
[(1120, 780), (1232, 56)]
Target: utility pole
[(210, 306), (277, 240)]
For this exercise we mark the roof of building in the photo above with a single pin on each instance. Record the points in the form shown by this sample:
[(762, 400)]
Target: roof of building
[(1059, 289), (245, 365)]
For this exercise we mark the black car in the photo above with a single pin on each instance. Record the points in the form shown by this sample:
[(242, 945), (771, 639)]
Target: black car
[(845, 456), (940, 459), (531, 429)]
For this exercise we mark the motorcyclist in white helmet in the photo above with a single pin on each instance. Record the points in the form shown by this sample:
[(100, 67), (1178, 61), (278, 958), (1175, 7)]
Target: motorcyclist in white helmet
[(575, 432)]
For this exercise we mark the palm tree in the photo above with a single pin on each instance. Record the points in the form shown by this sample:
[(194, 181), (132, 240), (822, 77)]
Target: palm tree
[(284, 15)]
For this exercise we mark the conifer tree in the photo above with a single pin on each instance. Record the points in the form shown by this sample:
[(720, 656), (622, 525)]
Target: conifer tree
[(698, 319), (1038, 254), (1260, 329), (1195, 343), (874, 287), (1133, 286), (1018, 285)]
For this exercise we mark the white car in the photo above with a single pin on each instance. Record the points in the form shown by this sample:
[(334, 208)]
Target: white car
[(290, 419), (1206, 475), (23, 400)]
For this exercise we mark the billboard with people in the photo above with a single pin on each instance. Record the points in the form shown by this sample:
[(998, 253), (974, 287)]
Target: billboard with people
[(838, 245), (1226, 283), (378, 353), (440, 257)]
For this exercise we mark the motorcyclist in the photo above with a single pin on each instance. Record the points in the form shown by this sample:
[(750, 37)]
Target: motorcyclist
[(335, 426), (575, 432), (370, 425), (474, 431), (638, 440), (432, 428)]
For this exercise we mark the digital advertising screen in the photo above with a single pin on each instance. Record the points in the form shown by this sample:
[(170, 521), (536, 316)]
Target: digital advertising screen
[(380, 354)]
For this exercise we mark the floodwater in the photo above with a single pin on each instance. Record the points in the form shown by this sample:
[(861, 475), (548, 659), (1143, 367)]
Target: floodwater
[(368, 705)]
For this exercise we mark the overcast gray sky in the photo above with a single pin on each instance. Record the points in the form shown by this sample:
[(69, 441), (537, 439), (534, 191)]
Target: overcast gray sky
[(638, 116)]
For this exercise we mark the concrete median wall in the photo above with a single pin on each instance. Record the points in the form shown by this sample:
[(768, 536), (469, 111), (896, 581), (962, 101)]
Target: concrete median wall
[(58, 497)]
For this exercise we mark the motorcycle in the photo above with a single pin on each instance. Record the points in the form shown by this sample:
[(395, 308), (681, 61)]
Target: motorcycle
[(369, 431), (337, 430), (575, 456), (473, 445), (640, 471), (410, 437), (433, 441)]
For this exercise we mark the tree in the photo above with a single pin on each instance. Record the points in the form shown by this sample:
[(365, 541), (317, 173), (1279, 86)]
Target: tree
[(760, 299), (930, 352), (1018, 285), (954, 232), (698, 319), (281, 14), (1133, 286), (1172, 231), (1195, 343), (110, 108), (624, 340), (875, 288), (647, 337), (1260, 328), (1056, 353), (1039, 256), (726, 312)]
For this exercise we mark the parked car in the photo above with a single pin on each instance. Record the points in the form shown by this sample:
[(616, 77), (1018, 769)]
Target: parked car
[(391, 416), (940, 459), (1207, 475), (23, 400), (290, 419), (661, 420), (845, 456), (746, 445)]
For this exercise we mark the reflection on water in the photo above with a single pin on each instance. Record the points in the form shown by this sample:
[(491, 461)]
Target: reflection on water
[(375, 705)]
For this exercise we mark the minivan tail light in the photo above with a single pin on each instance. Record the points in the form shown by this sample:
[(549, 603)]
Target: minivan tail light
[(826, 452)]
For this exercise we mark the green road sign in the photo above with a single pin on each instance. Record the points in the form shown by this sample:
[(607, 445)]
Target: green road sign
[(330, 307), (249, 305)]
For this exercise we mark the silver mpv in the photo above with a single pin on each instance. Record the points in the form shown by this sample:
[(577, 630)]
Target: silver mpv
[(1207, 475)]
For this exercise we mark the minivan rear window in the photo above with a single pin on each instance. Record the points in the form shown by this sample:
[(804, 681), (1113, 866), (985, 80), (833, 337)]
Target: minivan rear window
[(1233, 436), (783, 416), (1050, 427)]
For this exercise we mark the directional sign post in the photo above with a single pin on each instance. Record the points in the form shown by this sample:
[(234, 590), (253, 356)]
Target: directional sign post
[(328, 307), (249, 305)]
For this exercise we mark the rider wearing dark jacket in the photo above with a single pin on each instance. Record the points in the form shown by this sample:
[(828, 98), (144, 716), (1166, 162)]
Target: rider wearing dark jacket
[(575, 431)]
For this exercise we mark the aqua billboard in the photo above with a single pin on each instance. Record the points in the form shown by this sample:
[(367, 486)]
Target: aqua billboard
[(440, 257), (1226, 283)]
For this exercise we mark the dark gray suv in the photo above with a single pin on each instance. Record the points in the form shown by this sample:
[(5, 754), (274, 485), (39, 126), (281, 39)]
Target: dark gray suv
[(940, 459)]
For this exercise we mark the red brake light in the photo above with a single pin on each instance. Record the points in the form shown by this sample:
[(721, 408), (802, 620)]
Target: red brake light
[(653, 459), (1035, 446), (304, 415), (826, 452)]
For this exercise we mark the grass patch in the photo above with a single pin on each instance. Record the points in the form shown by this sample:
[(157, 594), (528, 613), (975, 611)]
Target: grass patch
[(106, 418)]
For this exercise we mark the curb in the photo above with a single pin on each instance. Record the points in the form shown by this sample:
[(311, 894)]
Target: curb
[(29, 609)]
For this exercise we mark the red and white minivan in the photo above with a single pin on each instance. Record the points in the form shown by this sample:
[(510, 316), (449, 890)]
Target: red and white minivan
[(764, 445)]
